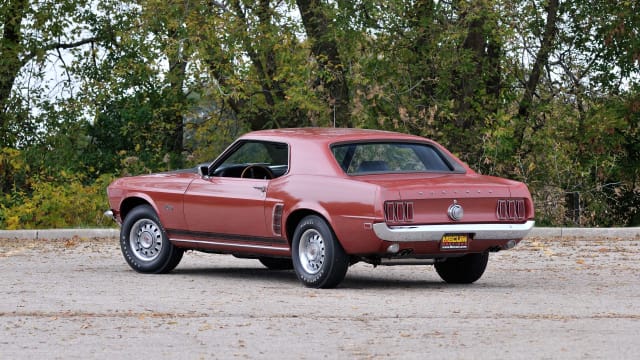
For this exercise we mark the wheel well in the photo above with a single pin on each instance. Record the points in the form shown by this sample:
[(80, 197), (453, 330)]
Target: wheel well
[(129, 204), (295, 217)]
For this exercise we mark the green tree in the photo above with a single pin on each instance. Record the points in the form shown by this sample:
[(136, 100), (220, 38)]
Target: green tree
[(566, 138), (331, 73), (34, 32), (544, 91)]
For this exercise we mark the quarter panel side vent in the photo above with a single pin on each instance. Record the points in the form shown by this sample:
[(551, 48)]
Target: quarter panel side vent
[(277, 219)]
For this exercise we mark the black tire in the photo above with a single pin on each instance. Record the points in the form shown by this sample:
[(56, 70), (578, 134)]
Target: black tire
[(463, 270), (276, 263), (318, 257), (145, 244)]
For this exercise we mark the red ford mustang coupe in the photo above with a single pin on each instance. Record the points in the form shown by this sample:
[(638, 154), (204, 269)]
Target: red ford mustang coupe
[(318, 200)]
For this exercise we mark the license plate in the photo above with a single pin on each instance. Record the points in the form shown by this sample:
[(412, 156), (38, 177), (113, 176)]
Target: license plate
[(454, 242)]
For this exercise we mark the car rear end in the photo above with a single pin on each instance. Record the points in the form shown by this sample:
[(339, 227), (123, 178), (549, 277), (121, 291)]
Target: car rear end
[(453, 214), (431, 204)]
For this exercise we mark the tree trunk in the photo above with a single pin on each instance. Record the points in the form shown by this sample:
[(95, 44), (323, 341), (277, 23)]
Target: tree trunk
[(542, 58), (175, 111), (325, 49), (423, 46), (263, 61), (10, 49), (468, 84)]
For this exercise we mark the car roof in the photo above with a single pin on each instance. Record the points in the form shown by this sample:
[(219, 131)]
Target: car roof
[(329, 135), (311, 152)]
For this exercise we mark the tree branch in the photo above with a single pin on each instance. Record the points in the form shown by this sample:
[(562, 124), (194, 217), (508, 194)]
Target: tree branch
[(58, 46)]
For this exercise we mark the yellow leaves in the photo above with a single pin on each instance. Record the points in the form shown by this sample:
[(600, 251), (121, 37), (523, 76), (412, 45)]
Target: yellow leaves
[(531, 167), (12, 159), (58, 202), (70, 243), (13, 223)]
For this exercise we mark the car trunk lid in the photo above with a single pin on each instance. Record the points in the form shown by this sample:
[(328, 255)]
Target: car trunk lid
[(451, 198)]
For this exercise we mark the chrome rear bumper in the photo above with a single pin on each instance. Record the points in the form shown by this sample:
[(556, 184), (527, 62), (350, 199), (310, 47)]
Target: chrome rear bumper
[(435, 232)]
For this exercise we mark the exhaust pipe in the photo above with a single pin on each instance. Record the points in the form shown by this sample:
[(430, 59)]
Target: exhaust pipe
[(510, 245)]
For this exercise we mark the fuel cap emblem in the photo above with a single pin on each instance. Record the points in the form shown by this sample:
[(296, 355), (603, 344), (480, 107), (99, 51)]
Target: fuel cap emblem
[(455, 211)]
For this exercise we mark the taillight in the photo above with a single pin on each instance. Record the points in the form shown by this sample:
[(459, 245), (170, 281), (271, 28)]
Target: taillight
[(511, 209), (398, 211)]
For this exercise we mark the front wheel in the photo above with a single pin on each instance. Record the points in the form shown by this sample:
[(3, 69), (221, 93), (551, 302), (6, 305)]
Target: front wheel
[(463, 270), (145, 244), (318, 257)]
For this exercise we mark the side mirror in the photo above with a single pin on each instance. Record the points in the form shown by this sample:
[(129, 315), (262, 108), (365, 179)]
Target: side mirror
[(203, 171)]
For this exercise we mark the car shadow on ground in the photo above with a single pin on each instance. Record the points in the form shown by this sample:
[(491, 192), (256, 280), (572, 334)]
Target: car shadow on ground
[(351, 281), (242, 273)]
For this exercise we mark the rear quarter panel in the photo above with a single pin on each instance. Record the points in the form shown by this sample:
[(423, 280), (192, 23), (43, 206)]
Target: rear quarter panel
[(349, 206)]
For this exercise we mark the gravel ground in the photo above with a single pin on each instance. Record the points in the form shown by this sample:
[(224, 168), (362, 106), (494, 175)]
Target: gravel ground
[(548, 298)]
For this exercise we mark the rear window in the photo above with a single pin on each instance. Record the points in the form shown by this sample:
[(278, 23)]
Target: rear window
[(390, 157)]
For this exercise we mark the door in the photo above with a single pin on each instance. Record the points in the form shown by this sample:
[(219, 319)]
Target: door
[(226, 208)]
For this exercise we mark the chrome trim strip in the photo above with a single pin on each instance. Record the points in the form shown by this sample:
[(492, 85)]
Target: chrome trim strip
[(249, 246), (355, 217), (435, 232), (231, 237)]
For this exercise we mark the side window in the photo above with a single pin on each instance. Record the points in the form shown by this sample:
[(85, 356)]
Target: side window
[(274, 157), (249, 153)]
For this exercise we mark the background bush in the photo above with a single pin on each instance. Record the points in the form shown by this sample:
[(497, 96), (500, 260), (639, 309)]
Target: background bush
[(542, 91)]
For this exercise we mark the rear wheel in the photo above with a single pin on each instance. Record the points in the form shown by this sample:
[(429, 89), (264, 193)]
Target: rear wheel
[(463, 270), (145, 244), (318, 257)]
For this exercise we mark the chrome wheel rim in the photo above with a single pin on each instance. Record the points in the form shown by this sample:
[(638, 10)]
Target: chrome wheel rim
[(145, 239), (311, 251)]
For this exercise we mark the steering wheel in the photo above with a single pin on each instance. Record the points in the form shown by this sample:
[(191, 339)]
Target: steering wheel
[(254, 172)]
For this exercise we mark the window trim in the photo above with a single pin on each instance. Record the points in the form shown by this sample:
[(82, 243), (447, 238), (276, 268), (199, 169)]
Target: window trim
[(239, 143), (454, 164)]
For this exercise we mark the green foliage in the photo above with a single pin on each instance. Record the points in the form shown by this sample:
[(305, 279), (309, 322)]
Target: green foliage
[(52, 205), (13, 169), (58, 201), (153, 85)]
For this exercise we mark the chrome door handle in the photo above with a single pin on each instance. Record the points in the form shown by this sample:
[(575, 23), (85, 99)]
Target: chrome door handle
[(261, 188)]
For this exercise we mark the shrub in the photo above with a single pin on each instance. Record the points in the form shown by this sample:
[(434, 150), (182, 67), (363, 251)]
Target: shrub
[(57, 203)]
